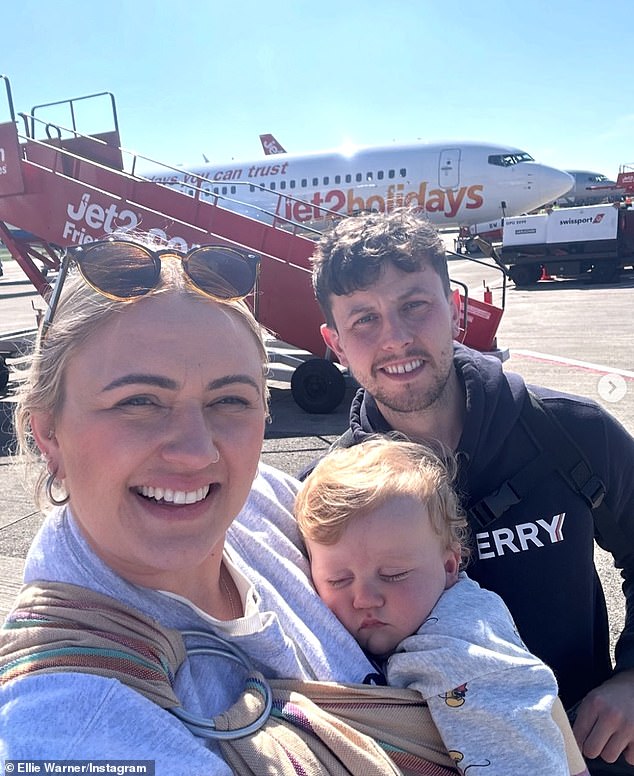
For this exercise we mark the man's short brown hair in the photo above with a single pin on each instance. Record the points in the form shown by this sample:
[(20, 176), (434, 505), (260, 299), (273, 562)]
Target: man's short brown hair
[(351, 256)]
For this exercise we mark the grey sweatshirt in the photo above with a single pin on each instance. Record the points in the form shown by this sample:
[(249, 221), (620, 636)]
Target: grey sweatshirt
[(490, 698), (286, 631)]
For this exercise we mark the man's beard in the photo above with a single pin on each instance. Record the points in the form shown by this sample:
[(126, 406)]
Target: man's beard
[(412, 399), (415, 398)]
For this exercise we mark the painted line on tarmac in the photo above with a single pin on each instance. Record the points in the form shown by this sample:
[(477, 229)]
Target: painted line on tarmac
[(573, 362)]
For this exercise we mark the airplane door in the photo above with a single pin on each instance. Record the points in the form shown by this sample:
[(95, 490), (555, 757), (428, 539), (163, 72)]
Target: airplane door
[(449, 168)]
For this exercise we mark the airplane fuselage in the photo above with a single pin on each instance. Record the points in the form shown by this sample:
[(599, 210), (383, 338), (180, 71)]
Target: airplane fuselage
[(590, 188), (452, 184)]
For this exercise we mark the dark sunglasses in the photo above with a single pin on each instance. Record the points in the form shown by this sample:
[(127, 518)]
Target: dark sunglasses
[(123, 270)]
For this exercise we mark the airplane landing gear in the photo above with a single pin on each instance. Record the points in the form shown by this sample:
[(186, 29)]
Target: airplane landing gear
[(318, 386)]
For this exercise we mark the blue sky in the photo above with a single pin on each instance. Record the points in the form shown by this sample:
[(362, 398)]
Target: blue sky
[(195, 77)]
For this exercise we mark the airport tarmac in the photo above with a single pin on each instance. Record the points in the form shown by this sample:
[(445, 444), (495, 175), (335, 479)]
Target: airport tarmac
[(567, 335)]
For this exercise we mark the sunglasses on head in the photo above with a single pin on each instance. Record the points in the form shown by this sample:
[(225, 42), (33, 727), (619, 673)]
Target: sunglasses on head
[(124, 270)]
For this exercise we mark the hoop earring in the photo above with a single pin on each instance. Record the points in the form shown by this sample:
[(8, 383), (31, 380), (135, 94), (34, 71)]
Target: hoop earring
[(50, 481), (217, 458)]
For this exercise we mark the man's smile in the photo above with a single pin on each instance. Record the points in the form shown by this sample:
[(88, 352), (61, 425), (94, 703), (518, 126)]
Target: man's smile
[(403, 368)]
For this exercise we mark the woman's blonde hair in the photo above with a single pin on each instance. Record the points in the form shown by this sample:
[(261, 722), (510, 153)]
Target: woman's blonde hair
[(80, 312), (348, 482)]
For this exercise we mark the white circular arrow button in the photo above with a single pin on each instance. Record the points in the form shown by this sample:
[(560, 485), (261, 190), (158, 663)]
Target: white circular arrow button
[(612, 387)]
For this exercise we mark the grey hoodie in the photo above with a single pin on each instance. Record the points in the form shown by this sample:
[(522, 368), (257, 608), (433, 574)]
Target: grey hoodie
[(286, 631)]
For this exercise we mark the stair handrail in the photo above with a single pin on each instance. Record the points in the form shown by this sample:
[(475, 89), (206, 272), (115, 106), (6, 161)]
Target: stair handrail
[(29, 134), (7, 86), (197, 184), (333, 215), (71, 103)]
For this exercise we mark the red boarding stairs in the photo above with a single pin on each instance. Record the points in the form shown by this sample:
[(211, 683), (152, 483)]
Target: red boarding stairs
[(625, 180), (71, 188)]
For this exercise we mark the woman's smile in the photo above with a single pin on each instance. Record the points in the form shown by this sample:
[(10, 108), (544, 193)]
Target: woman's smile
[(168, 495)]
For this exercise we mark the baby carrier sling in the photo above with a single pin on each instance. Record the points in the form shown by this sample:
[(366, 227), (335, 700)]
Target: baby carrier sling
[(294, 727), (289, 727)]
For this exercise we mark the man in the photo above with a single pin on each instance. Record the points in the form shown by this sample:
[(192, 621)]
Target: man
[(383, 285)]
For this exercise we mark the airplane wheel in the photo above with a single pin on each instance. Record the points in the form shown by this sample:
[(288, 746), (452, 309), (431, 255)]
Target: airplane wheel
[(4, 375), (525, 274), (318, 386)]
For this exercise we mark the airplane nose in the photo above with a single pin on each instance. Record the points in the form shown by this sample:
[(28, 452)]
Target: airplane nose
[(553, 183)]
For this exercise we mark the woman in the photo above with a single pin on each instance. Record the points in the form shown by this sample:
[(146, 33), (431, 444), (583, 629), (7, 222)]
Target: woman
[(147, 402)]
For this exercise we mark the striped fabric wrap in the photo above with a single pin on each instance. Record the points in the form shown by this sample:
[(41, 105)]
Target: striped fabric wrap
[(330, 728), (57, 627), (314, 728)]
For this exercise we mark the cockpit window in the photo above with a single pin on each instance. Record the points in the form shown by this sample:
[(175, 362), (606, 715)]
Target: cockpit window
[(598, 178), (508, 160)]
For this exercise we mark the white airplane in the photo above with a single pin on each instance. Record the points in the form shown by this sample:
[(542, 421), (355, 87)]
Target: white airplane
[(453, 184), (590, 188)]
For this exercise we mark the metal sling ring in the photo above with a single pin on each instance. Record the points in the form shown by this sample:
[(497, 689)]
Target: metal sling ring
[(205, 726)]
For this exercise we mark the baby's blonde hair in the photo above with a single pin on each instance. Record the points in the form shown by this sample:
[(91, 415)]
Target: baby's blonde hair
[(350, 481)]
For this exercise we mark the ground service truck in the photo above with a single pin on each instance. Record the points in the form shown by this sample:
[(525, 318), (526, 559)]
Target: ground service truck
[(594, 242)]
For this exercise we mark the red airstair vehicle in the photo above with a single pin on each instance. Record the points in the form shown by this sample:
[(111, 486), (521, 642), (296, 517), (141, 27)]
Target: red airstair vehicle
[(625, 180), (67, 188)]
